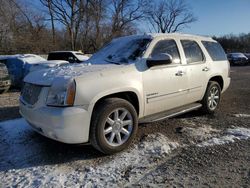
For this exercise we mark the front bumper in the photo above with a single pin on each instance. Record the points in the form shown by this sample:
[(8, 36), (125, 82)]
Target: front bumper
[(68, 125)]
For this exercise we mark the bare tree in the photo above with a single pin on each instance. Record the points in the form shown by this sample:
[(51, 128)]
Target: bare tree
[(70, 14), (125, 13), (92, 24), (48, 5), (169, 15)]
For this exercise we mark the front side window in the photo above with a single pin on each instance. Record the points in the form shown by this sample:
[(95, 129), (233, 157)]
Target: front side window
[(192, 51), (215, 51), (169, 47)]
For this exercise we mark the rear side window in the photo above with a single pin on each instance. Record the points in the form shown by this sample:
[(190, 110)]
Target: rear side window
[(58, 56), (167, 46), (215, 50), (192, 51), (62, 56)]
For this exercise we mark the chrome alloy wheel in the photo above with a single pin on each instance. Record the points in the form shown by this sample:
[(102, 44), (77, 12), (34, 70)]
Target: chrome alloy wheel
[(118, 127), (213, 98)]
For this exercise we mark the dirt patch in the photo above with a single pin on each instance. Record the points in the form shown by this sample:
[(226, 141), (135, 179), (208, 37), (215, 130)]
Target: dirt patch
[(9, 105)]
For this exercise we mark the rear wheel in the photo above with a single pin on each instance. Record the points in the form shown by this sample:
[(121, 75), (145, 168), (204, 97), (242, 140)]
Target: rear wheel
[(114, 125), (211, 98)]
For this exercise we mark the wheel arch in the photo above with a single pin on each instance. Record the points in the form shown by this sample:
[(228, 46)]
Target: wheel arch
[(131, 96), (219, 80)]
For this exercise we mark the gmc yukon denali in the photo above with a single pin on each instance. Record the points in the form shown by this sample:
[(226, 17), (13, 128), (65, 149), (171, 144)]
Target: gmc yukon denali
[(132, 79)]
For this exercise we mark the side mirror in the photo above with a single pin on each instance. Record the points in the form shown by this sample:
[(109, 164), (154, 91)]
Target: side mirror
[(161, 59)]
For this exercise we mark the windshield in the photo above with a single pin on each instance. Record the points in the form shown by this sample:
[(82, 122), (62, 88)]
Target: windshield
[(121, 51)]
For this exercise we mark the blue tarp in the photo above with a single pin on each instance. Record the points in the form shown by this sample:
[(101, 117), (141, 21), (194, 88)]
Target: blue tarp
[(19, 65)]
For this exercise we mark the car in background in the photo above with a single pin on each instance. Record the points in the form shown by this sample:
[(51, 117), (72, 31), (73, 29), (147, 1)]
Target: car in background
[(5, 81), (70, 56), (20, 65), (237, 59)]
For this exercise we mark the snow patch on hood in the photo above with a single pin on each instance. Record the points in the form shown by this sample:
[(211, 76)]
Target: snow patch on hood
[(47, 64), (53, 62), (46, 77), (229, 136)]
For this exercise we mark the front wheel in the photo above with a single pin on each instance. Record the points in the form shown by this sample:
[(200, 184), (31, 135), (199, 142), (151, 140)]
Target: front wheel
[(211, 98), (114, 125)]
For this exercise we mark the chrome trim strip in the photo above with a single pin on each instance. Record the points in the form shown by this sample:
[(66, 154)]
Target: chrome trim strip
[(178, 113), (184, 90)]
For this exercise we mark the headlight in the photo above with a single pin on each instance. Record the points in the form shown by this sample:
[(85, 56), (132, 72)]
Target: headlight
[(62, 96)]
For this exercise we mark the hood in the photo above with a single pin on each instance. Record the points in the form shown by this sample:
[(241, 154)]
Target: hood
[(51, 63), (81, 57), (47, 64), (47, 76)]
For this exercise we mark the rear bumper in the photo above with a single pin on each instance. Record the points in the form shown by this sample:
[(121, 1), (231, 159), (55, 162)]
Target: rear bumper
[(68, 125), (226, 84)]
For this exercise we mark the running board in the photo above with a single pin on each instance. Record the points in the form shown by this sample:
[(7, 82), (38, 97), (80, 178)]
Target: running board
[(170, 113)]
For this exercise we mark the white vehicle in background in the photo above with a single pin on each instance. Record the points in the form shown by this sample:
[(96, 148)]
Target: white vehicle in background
[(20, 65), (70, 56), (133, 79)]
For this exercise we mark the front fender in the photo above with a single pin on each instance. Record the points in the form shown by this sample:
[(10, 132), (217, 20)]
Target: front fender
[(115, 91)]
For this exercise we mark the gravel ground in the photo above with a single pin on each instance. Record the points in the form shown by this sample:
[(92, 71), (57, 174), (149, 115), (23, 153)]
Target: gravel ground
[(164, 154), (9, 105)]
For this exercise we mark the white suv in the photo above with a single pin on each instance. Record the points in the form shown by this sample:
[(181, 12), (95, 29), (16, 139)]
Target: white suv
[(132, 79)]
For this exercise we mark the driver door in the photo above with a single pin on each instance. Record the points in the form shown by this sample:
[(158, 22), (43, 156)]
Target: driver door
[(165, 86)]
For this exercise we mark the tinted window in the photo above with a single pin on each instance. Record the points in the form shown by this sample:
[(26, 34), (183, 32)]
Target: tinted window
[(58, 56), (62, 56), (167, 46), (192, 51), (215, 51)]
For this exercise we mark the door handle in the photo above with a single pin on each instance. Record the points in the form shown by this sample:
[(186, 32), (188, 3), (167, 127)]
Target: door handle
[(179, 73), (205, 69)]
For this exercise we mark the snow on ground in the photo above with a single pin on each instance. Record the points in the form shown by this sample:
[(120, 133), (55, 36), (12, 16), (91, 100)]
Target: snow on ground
[(200, 133), (132, 164), (30, 160), (242, 115), (125, 167), (229, 136)]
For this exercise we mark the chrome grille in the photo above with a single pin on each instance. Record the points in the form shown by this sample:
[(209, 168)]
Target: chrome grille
[(30, 93)]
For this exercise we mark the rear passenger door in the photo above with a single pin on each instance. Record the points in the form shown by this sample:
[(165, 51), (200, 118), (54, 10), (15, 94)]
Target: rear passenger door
[(197, 70)]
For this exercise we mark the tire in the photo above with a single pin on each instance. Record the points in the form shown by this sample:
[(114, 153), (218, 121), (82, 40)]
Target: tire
[(117, 117), (211, 98)]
